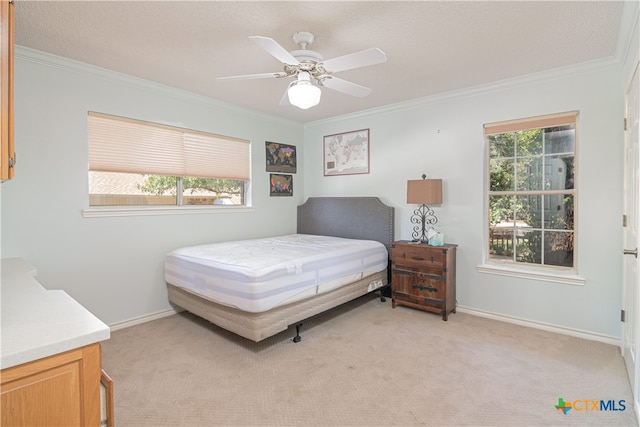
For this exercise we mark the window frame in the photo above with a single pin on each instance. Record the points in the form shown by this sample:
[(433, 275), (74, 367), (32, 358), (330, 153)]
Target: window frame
[(512, 268)]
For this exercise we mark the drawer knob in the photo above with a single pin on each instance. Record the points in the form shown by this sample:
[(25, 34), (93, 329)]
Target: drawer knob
[(424, 288)]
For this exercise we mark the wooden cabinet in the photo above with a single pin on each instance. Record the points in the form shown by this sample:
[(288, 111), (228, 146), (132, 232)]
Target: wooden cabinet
[(424, 277), (59, 390), (7, 151)]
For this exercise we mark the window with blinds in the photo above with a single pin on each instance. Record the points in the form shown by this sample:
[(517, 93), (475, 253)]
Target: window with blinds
[(134, 163), (532, 191)]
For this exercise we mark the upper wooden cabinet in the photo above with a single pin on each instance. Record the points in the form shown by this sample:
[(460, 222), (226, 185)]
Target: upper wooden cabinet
[(7, 154)]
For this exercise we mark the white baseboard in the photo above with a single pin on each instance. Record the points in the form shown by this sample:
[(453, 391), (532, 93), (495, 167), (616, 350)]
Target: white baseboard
[(543, 326), (143, 319), (500, 317)]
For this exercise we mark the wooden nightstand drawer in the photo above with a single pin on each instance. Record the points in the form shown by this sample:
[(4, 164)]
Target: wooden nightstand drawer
[(424, 277), (416, 257)]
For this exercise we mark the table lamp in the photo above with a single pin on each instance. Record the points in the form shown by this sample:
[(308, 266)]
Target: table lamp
[(423, 192)]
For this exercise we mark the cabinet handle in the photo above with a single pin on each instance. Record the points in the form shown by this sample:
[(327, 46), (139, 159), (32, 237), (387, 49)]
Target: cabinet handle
[(424, 288), (417, 258)]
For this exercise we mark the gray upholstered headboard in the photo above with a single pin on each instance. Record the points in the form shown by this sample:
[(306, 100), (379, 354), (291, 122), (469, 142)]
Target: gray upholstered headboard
[(351, 217)]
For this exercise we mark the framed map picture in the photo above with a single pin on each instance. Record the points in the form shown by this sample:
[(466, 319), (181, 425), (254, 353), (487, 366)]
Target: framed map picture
[(280, 157), (281, 185), (346, 153)]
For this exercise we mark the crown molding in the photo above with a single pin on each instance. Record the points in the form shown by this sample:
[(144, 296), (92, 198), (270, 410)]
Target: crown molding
[(66, 64), (628, 26), (43, 58), (473, 91)]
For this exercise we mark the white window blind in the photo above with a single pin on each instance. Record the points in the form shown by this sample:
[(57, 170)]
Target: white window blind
[(118, 144), (548, 121)]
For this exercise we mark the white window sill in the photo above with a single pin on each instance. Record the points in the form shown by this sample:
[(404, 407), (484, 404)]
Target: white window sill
[(548, 275), (106, 211)]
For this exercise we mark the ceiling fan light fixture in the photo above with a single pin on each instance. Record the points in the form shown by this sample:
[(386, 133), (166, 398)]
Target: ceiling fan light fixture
[(302, 93)]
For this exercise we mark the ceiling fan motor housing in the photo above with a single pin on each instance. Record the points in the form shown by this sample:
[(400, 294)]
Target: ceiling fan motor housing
[(307, 58), (305, 55)]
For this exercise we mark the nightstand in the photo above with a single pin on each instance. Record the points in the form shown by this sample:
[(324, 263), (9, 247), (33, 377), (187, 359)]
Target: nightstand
[(424, 277)]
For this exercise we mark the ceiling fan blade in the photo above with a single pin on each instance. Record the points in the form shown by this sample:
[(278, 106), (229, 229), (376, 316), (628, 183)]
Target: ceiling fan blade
[(285, 99), (255, 76), (274, 48), (355, 60), (346, 87)]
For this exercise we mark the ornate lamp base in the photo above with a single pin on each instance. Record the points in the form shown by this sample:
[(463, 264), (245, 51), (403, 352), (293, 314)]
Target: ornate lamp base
[(424, 218)]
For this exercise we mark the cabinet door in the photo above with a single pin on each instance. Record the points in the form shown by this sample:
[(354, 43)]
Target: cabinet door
[(419, 288), (61, 390), (7, 154)]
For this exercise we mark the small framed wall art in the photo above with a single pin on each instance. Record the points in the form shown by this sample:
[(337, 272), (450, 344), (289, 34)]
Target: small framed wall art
[(280, 157), (346, 153), (281, 185)]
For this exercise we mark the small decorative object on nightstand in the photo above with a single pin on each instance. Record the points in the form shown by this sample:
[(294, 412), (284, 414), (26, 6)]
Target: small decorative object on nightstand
[(424, 277)]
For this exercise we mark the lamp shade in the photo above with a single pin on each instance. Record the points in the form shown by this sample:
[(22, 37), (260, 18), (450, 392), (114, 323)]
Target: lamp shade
[(302, 93), (424, 191)]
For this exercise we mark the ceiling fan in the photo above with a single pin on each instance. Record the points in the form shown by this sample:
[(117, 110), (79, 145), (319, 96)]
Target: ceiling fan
[(312, 72)]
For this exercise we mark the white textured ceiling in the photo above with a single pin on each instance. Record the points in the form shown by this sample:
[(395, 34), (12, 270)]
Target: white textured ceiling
[(432, 46)]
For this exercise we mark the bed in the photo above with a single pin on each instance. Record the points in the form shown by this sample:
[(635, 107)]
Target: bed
[(254, 288)]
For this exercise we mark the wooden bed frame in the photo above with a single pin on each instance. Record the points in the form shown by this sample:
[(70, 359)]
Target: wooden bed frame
[(351, 217)]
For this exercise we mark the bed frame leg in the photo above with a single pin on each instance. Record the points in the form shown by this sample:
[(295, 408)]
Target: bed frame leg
[(382, 289), (297, 338)]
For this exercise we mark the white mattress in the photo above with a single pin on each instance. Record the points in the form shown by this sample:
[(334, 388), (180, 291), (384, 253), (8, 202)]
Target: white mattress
[(260, 274)]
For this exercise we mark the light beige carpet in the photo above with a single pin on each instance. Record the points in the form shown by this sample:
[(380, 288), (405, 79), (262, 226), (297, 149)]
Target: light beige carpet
[(362, 364)]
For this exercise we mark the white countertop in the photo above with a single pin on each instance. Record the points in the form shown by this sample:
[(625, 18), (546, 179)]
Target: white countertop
[(37, 322)]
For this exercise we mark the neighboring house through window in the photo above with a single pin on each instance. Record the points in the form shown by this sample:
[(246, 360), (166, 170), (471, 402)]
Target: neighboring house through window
[(532, 191), (135, 163)]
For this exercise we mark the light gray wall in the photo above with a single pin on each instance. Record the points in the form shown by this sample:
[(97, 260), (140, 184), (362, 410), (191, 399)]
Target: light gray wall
[(631, 52), (113, 266), (443, 137)]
